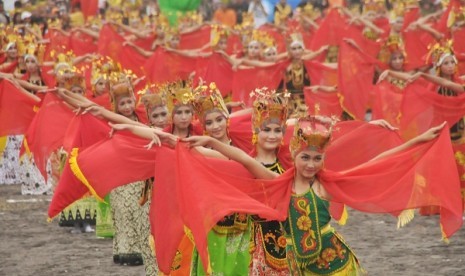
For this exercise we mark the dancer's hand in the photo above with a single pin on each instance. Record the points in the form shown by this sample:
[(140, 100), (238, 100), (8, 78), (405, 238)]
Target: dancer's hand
[(383, 123), (430, 134), (197, 141)]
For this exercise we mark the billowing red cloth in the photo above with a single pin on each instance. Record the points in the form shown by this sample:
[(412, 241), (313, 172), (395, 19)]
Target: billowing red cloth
[(164, 66), (130, 59), (16, 109), (355, 80), (102, 100), (410, 16), (458, 37), (11, 68), (331, 30), (423, 108), (110, 43), (247, 80), (89, 7), (145, 43), (234, 44), (83, 131), (416, 47), (369, 47), (180, 198), (240, 132), (59, 43), (409, 184), (328, 103), (219, 71), (81, 43), (196, 39), (47, 129), (115, 161), (321, 74), (387, 102)]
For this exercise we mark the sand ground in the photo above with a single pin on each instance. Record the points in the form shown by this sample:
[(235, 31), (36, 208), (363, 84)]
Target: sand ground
[(29, 245)]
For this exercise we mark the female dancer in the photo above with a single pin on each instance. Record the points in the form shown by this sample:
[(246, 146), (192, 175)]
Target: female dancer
[(313, 247)]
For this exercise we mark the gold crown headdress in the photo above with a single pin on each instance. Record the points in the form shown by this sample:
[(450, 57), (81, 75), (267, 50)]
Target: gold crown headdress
[(217, 32), (15, 39), (439, 51), (95, 21), (268, 106), (309, 11), (393, 44), (178, 94), (64, 63), (312, 132), (208, 98), (153, 96), (120, 86), (76, 80), (103, 68), (294, 38), (261, 37), (54, 23), (373, 5)]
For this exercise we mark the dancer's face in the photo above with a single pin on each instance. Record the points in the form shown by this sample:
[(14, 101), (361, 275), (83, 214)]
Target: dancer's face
[(448, 66), (397, 61), (182, 117), (216, 125), (270, 136), (308, 163), (159, 116), (126, 106), (31, 65)]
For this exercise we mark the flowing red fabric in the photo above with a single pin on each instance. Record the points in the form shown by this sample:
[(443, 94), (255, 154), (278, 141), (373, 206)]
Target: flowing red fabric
[(83, 131), (110, 43), (59, 43), (181, 198), (164, 66), (387, 102), (47, 130), (130, 59), (89, 7), (423, 108), (116, 161), (416, 47), (219, 71), (410, 16), (16, 109), (403, 181), (369, 47), (240, 132), (355, 80), (247, 80), (234, 44), (11, 68), (145, 43), (322, 103), (196, 39), (81, 43), (102, 100), (321, 74), (331, 30)]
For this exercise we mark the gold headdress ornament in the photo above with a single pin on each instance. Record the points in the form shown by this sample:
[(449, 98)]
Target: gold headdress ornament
[(178, 94), (162, 20), (218, 32), (95, 21), (268, 106), (114, 15), (309, 11), (120, 86), (208, 98), (393, 44), (400, 7), (103, 68), (54, 23), (64, 62), (153, 96), (312, 132), (294, 38), (133, 15), (439, 51), (374, 6), (456, 16), (262, 37), (247, 20), (15, 39), (35, 51), (76, 80)]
